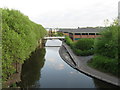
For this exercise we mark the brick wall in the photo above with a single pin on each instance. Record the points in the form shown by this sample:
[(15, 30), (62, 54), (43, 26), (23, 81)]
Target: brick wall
[(77, 37), (66, 34), (86, 36)]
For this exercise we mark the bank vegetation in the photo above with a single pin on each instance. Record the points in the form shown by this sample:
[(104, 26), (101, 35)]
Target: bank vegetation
[(105, 49), (20, 38)]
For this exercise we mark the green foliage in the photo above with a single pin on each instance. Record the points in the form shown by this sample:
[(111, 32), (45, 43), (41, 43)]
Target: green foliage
[(14, 85), (79, 52), (107, 45), (59, 34), (105, 64), (82, 47), (68, 41), (107, 50), (19, 38), (84, 44)]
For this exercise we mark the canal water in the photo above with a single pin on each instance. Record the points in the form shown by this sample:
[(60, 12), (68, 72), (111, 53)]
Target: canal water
[(46, 69)]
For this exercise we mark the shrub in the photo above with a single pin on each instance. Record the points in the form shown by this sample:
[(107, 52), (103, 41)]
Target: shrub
[(87, 52), (83, 47), (59, 34), (107, 50), (19, 38), (76, 51), (68, 41), (107, 45), (105, 64), (84, 44), (79, 52)]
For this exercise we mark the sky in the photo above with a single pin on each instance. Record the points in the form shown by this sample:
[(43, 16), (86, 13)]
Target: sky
[(66, 13)]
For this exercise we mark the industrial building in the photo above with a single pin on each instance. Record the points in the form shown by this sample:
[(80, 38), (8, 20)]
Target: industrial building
[(76, 34)]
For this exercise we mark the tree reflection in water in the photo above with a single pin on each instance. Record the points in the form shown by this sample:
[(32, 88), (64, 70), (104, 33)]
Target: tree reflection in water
[(31, 69), (101, 84)]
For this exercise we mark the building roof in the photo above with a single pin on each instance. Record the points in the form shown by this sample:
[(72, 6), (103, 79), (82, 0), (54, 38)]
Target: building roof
[(82, 30)]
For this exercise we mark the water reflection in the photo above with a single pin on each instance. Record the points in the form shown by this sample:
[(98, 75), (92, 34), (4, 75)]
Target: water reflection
[(31, 69), (53, 72), (101, 84), (58, 74)]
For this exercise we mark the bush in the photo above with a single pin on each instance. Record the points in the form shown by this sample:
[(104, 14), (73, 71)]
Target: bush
[(79, 52), (84, 44), (59, 34), (87, 52), (20, 37), (83, 47), (105, 64), (107, 45), (68, 41), (107, 50)]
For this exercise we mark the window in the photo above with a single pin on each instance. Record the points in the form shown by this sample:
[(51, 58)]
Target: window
[(77, 33), (91, 33), (84, 33), (65, 32), (71, 33)]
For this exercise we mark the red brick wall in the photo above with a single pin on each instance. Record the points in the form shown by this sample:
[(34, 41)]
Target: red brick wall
[(67, 34), (77, 36), (91, 36), (86, 36)]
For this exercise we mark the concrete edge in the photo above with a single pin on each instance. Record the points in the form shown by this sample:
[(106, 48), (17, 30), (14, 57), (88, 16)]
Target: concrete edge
[(73, 66), (72, 57), (87, 73)]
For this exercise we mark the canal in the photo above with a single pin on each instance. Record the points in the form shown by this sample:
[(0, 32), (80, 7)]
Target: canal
[(46, 69)]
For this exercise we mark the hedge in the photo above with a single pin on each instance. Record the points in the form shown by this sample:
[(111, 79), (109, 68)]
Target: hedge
[(84, 44), (19, 38), (82, 47)]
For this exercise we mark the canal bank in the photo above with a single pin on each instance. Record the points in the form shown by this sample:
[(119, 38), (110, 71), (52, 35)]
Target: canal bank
[(46, 69), (15, 78), (54, 73), (81, 65)]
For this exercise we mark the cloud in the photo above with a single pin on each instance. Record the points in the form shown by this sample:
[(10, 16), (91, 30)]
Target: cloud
[(57, 66), (51, 60), (60, 67), (65, 13)]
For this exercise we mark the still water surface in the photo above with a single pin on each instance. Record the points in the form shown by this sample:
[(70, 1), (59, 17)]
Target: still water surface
[(46, 69)]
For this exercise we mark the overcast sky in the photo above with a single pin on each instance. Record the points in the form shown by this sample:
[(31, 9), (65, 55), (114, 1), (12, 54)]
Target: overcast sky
[(66, 13)]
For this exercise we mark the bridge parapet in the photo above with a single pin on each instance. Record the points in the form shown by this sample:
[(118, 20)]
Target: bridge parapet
[(54, 37)]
